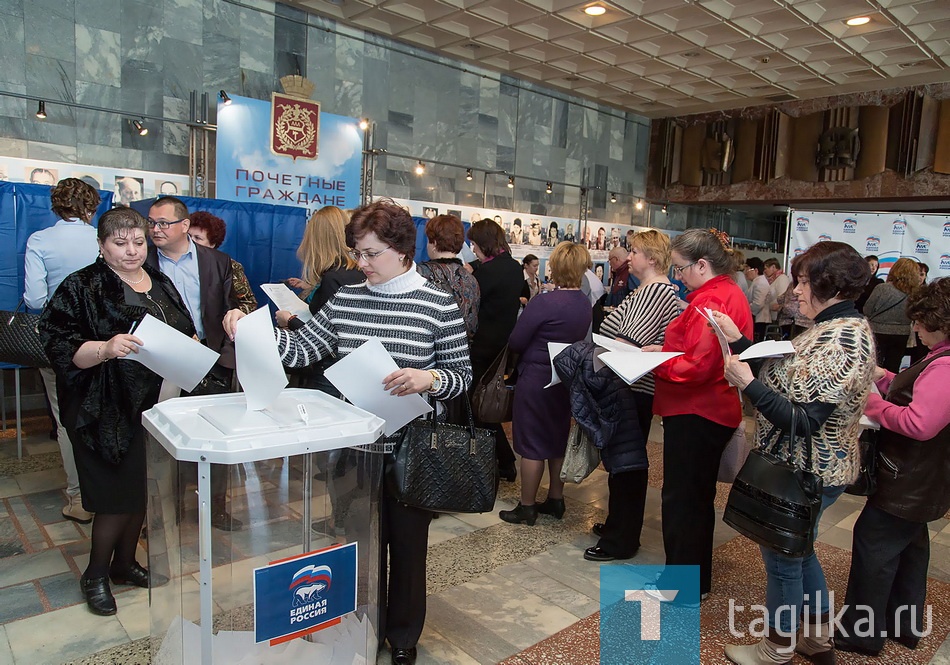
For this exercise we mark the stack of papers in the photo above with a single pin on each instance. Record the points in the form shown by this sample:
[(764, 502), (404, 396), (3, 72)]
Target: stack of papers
[(767, 349), (629, 362)]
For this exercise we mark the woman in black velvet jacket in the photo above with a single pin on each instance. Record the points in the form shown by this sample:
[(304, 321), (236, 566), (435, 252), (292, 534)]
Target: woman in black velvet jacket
[(86, 325)]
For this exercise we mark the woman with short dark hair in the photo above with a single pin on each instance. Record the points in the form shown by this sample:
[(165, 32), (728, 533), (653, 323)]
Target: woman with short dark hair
[(446, 236), (209, 230)]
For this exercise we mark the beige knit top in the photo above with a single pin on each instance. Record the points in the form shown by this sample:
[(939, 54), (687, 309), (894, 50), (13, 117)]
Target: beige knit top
[(833, 363)]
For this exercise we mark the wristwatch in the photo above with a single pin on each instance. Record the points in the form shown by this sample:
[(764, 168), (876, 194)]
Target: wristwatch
[(436, 382)]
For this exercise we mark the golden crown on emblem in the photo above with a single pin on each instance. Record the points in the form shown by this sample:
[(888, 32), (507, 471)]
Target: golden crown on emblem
[(297, 86)]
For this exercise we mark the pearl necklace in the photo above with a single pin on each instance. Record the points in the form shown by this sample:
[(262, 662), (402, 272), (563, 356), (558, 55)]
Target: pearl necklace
[(129, 281)]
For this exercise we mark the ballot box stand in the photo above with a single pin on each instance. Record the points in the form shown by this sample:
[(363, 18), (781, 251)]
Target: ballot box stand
[(299, 477)]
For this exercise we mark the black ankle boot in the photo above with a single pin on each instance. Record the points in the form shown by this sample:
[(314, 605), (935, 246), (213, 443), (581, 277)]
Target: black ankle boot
[(520, 515), (98, 595), (554, 507)]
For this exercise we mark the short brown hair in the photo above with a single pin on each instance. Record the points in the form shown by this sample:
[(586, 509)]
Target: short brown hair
[(118, 219), (568, 262), (696, 244), (655, 245), (446, 233), (930, 305), (391, 223), (489, 237), (214, 227), (833, 269), (181, 210), (71, 197), (904, 275)]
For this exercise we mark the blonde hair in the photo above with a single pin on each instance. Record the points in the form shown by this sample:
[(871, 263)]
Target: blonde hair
[(324, 246), (568, 263), (655, 245)]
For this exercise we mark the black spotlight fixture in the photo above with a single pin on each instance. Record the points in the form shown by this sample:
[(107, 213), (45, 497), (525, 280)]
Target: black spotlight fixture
[(639, 204), (511, 182), (613, 197), (548, 188), (140, 128), (224, 97), (469, 175), (41, 111), (663, 210), (420, 168)]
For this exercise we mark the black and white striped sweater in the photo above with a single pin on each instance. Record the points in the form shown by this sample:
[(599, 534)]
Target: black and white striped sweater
[(419, 325)]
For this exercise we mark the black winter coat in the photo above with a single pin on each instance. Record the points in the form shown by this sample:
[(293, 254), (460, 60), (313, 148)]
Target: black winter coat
[(605, 407)]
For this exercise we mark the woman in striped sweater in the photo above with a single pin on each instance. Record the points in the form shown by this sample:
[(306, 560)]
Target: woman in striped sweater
[(419, 324)]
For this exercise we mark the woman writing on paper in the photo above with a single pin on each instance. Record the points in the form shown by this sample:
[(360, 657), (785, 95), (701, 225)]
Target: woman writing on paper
[(829, 377), (420, 325)]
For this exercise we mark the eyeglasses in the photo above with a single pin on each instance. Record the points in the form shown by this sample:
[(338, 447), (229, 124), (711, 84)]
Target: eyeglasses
[(356, 255), (162, 225), (679, 269)]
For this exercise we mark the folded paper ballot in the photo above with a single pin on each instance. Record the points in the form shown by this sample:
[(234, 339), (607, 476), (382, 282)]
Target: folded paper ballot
[(178, 358), (287, 300), (768, 349), (554, 348), (631, 366)]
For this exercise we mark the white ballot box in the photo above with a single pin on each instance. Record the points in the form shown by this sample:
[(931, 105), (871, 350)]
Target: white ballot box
[(266, 526)]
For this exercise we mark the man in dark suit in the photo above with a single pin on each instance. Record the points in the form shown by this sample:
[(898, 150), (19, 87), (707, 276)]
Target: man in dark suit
[(203, 278)]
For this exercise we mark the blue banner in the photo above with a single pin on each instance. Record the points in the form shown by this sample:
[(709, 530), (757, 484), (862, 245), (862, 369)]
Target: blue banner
[(247, 169), (296, 595)]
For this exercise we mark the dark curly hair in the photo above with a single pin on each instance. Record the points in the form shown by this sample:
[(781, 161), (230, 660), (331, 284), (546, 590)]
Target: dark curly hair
[(446, 233), (489, 237), (71, 197), (391, 223), (833, 269), (930, 305), (214, 227)]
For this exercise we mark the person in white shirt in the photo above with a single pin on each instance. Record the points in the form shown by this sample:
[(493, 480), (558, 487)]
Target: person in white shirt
[(778, 284), (51, 255), (759, 295)]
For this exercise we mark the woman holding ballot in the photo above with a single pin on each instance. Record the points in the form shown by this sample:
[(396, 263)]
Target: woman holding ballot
[(85, 326), (420, 325), (829, 377)]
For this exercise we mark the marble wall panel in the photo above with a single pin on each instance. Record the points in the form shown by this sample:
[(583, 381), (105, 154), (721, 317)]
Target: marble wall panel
[(257, 41), (142, 30), (183, 20), (102, 14), (11, 8), (219, 53), (220, 18), (175, 135), (142, 84), (182, 70), (13, 147), (98, 55), (89, 153), (54, 152), (12, 53), (50, 78), (15, 107), (100, 128), (257, 84)]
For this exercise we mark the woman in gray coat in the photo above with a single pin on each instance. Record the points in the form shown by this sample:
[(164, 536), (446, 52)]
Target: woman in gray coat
[(886, 311)]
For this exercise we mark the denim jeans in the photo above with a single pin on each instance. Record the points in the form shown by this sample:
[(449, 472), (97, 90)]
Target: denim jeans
[(791, 579)]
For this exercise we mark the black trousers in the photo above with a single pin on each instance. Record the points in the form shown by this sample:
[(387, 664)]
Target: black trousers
[(405, 536), (692, 448), (890, 350), (889, 560)]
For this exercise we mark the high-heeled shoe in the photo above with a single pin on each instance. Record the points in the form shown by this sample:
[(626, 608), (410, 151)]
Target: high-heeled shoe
[(520, 515), (98, 595), (553, 507)]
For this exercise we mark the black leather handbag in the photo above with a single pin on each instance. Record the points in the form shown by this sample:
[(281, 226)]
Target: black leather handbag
[(493, 397), (866, 482), (774, 502), (20, 339), (444, 468)]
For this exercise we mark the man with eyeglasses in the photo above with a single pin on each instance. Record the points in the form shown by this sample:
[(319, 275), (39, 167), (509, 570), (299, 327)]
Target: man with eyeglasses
[(203, 277)]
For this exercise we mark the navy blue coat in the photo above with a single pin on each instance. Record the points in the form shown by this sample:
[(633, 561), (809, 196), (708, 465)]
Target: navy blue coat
[(604, 406)]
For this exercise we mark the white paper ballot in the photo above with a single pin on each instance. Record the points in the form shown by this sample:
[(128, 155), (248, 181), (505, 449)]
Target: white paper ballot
[(770, 348), (176, 357), (723, 342), (287, 300), (632, 366), (555, 348), (258, 363), (359, 376), (614, 345)]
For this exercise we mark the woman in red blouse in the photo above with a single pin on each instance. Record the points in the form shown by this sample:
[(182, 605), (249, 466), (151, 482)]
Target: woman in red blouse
[(700, 410)]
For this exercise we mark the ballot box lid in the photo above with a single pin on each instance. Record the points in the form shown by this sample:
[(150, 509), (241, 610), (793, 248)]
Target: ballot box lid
[(220, 429)]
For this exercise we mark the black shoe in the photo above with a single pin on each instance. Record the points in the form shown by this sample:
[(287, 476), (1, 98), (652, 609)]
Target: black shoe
[(138, 576), (599, 554), (520, 515), (842, 644), (404, 656), (98, 595), (598, 529), (222, 520), (508, 472), (554, 507)]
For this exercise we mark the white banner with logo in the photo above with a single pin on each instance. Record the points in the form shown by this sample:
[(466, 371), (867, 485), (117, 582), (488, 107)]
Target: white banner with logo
[(888, 235)]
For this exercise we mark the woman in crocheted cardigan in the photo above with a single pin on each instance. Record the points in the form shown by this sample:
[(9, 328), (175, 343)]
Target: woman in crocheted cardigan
[(829, 376)]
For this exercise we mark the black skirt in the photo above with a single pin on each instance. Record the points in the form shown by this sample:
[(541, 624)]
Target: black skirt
[(112, 488)]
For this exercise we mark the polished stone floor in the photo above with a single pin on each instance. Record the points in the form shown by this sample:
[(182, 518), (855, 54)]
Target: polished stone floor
[(497, 592)]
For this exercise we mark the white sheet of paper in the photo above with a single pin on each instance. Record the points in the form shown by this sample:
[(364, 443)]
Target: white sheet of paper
[(178, 358), (614, 345), (632, 366), (723, 342), (287, 300), (554, 348), (258, 363), (770, 348), (359, 376)]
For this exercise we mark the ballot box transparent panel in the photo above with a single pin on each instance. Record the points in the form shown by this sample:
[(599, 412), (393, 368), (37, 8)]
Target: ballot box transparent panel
[(261, 514)]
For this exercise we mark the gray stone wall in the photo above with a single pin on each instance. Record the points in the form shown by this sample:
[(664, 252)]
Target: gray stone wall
[(145, 56)]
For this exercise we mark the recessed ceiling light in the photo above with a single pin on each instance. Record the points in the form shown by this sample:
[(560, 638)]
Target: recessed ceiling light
[(595, 10), (858, 20)]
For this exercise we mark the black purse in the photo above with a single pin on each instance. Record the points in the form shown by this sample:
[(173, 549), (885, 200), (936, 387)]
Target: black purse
[(773, 502), (866, 482), (20, 338), (442, 467), (493, 397)]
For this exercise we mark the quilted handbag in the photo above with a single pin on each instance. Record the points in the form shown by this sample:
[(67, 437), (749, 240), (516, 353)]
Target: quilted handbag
[(774, 502), (20, 339), (581, 456), (493, 397), (734, 455), (444, 468)]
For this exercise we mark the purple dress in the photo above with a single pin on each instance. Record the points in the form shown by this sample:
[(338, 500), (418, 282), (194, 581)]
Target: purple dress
[(542, 417)]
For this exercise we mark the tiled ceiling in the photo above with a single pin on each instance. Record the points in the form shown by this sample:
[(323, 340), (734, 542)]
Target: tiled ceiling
[(672, 57)]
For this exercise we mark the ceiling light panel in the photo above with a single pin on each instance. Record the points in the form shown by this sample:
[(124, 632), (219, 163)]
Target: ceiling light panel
[(839, 10), (879, 41)]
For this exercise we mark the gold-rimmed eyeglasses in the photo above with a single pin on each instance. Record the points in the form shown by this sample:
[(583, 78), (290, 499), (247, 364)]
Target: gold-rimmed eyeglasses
[(679, 269), (356, 255)]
